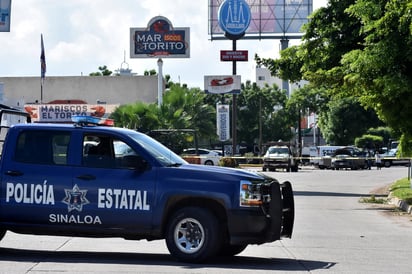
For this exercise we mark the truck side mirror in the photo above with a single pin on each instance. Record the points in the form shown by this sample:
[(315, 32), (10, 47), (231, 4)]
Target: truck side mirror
[(135, 162)]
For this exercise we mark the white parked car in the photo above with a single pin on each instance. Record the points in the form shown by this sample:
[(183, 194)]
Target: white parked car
[(207, 157)]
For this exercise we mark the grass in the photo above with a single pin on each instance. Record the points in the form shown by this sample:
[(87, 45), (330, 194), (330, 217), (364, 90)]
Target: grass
[(373, 200), (402, 190)]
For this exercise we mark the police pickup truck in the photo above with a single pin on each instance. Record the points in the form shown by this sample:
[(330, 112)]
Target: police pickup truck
[(88, 180)]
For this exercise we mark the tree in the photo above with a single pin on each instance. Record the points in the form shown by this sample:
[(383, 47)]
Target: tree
[(150, 72), (330, 33), (103, 72), (380, 73), (346, 120), (360, 49), (182, 108), (265, 107)]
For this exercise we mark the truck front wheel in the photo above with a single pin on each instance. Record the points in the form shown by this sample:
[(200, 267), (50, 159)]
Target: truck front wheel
[(193, 235)]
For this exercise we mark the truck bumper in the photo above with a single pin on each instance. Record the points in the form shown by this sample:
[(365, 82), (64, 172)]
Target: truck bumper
[(268, 223), (276, 164)]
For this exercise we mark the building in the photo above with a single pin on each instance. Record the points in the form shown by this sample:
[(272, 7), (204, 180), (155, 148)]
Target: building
[(62, 97), (110, 89)]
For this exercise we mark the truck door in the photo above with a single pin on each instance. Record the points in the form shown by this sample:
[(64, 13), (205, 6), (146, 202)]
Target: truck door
[(35, 176), (117, 192)]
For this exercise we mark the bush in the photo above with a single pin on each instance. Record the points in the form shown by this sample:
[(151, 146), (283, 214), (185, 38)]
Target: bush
[(369, 141), (227, 162)]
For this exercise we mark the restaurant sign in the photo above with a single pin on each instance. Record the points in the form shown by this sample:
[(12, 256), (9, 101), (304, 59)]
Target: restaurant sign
[(62, 113), (159, 40)]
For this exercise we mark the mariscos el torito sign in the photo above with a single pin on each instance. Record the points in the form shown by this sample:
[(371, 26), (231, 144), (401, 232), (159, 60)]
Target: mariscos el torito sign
[(62, 113)]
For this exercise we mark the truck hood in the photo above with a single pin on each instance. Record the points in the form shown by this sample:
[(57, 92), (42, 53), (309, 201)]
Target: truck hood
[(215, 172), (277, 155)]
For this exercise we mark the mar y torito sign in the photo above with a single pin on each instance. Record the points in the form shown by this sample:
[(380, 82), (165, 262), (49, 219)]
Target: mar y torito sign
[(159, 40), (62, 113)]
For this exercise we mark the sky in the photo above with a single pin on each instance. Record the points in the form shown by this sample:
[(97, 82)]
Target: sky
[(79, 36)]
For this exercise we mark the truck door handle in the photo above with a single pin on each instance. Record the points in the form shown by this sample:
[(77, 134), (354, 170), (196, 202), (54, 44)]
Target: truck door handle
[(86, 177), (14, 173)]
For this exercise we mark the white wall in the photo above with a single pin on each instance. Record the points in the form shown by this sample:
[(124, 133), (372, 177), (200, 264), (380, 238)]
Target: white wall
[(110, 89)]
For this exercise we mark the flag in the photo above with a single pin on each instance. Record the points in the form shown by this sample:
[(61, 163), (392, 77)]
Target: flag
[(42, 59)]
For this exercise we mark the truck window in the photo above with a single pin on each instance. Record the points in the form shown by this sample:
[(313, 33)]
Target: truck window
[(42, 147), (107, 152)]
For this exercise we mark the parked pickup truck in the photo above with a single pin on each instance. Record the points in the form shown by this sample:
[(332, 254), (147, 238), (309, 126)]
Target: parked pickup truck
[(281, 155), (88, 180)]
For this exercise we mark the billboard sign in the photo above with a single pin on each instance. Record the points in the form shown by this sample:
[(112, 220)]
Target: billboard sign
[(234, 16), (159, 40), (222, 84), (5, 13), (267, 17), (222, 122), (62, 113)]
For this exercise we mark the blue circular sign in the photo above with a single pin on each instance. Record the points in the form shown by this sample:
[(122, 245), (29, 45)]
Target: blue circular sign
[(234, 16)]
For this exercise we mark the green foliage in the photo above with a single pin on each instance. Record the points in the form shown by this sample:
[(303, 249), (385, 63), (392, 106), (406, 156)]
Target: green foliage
[(150, 72), (369, 141), (405, 146), (360, 49), (386, 133), (182, 108), (103, 72), (264, 106), (402, 189), (380, 73), (346, 120), (373, 200)]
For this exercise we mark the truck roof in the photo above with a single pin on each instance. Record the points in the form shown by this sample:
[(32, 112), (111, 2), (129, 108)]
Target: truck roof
[(73, 127)]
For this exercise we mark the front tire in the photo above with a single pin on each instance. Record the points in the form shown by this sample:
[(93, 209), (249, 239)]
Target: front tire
[(193, 235), (209, 163)]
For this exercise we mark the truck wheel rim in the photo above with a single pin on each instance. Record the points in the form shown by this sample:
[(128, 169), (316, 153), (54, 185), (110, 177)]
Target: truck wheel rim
[(189, 235)]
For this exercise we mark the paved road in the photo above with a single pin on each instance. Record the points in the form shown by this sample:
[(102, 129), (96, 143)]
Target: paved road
[(334, 233)]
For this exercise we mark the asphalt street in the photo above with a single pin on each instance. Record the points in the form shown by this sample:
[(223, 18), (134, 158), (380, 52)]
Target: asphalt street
[(333, 233)]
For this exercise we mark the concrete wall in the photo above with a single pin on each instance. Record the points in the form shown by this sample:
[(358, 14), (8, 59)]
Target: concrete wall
[(110, 89)]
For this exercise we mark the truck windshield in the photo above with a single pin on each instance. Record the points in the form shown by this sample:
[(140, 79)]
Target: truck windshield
[(278, 150), (158, 151)]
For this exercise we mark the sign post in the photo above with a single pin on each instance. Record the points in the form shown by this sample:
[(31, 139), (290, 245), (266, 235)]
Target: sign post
[(234, 18), (159, 40)]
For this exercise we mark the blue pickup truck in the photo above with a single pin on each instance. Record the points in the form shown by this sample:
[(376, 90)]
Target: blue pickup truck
[(88, 180)]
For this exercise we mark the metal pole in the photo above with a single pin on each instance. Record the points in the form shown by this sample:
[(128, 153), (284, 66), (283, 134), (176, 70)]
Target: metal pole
[(234, 112), (160, 82), (285, 83)]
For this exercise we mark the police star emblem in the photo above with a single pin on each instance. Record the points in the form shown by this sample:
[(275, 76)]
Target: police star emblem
[(75, 198)]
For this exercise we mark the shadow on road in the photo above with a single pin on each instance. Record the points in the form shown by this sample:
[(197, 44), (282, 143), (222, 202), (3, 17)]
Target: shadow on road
[(237, 262), (333, 194)]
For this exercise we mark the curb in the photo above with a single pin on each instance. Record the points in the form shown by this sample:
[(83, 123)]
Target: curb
[(401, 204)]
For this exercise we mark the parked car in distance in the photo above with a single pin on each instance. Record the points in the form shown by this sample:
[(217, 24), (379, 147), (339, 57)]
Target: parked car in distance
[(349, 157), (206, 156)]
